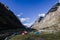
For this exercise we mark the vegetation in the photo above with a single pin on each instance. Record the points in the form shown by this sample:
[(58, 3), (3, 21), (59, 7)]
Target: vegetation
[(52, 36)]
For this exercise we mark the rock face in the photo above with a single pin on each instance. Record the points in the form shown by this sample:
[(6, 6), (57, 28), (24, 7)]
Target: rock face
[(51, 21), (8, 21)]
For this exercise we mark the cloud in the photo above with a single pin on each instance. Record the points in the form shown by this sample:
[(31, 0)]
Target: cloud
[(59, 1), (24, 19), (19, 14), (28, 24), (41, 15)]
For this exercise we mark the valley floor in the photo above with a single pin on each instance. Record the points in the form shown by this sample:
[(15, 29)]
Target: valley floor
[(51, 36)]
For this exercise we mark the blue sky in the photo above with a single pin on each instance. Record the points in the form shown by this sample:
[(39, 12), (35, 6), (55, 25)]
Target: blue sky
[(29, 10)]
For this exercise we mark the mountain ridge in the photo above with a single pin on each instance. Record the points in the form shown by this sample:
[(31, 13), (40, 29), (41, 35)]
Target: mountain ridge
[(51, 19)]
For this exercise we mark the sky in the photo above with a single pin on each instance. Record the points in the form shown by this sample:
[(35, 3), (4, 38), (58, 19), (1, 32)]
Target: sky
[(29, 10)]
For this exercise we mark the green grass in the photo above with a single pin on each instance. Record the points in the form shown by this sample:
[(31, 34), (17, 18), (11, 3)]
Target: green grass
[(55, 36)]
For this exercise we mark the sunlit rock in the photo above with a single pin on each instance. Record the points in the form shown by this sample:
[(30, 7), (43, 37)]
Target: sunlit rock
[(51, 21)]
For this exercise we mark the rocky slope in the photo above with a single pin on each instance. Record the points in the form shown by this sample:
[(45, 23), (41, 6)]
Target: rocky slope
[(7, 19), (9, 23), (51, 21)]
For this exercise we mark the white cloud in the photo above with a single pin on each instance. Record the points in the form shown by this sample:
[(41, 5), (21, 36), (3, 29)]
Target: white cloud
[(19, 14), (41, 15), (24, 19), (59, 1), (28, 24)]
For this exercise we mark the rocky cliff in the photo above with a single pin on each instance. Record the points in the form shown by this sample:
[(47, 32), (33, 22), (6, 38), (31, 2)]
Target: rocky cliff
[(51, 21)]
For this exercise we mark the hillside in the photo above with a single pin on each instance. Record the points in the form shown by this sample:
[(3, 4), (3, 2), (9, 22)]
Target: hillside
[(51, 21), (9, 23)]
